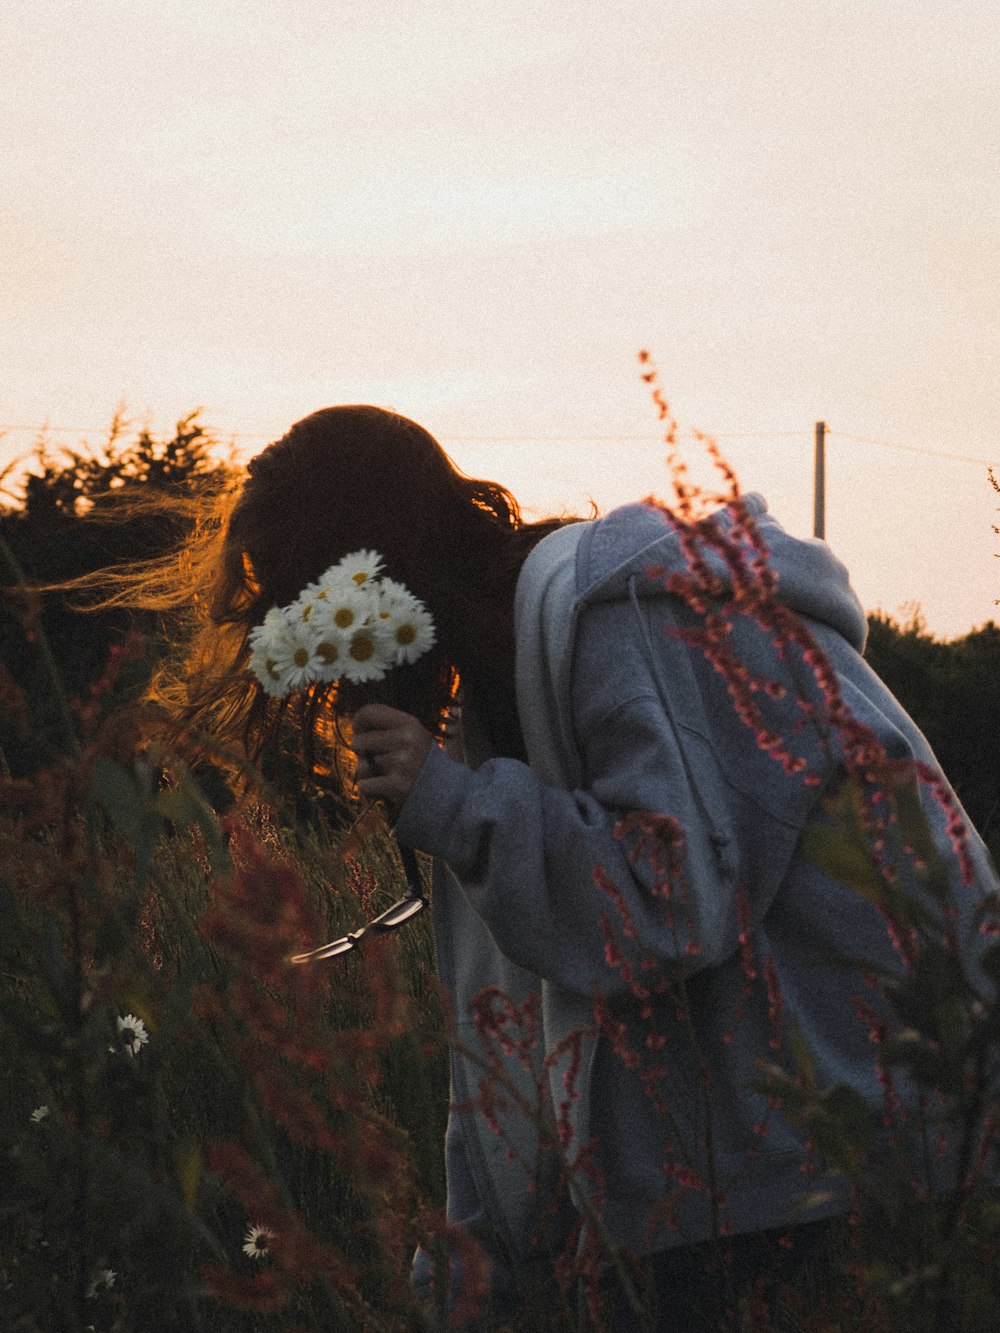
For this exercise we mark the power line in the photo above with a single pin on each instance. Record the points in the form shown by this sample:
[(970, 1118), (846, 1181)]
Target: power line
[(42, 430), (647, 437), (911, 448), (576, 438)]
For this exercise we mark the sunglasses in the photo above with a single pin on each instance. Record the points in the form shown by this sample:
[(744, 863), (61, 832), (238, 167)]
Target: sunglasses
[(409, 906), (391, 919)]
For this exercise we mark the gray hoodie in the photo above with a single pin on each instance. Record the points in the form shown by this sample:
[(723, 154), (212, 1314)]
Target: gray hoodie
[(620, 714)]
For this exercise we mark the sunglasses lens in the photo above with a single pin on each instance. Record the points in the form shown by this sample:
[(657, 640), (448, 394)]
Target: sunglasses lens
[(398, 913)]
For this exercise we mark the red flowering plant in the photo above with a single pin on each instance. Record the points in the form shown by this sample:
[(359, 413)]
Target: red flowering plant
[(923, 1232)]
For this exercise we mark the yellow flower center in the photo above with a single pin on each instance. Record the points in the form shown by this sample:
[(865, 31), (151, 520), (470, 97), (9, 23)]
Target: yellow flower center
[(327, 652), (272, 669), (344, 617), (301, 657), (405, 635), (362, 646), (360, 577)]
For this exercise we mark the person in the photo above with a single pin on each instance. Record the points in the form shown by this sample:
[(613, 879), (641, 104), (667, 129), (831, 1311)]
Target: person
[(628, 908)]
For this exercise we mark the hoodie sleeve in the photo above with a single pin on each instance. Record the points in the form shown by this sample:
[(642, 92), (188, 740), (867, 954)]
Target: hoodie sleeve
[(643, 860)]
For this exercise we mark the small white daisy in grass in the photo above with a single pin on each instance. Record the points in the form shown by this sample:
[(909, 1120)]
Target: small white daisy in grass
[(132, 1033), (39, 1114), (103, 1280), (257, 1242)]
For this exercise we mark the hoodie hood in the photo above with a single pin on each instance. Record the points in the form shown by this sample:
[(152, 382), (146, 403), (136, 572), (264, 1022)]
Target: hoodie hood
[(615, 554)]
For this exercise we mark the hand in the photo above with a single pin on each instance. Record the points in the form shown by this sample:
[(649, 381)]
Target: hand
[(391, 747)]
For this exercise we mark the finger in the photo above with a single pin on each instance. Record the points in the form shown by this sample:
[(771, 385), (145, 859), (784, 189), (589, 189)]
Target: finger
[(377, 717), (385, 787), (406, 739), (369, 743), (376, 740)]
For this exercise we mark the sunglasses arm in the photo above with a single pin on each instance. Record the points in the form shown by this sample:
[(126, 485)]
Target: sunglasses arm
[(331, 950)]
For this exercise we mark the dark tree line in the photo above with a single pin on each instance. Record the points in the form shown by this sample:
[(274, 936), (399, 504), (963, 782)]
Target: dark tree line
[(952, 689)]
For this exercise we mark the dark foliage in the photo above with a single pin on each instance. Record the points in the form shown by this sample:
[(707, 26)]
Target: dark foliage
[(952, 690), (76, 517)]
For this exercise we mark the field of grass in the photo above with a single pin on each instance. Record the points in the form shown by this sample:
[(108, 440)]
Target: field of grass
[(174, 1091), (198, 1134)]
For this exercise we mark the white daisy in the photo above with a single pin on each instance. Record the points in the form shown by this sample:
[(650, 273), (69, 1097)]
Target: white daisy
[(329, 650), (390, 591), (132, 1033), (256, 1243), (393, 598), (39, 1114), (408, 625), (272, 645), (282, 652), (359, 566), (367, 655), (348, 607), (104, 1280), (308, 603)]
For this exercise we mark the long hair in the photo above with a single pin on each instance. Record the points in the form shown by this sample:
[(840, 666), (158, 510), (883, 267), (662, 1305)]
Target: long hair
[(343, 479)]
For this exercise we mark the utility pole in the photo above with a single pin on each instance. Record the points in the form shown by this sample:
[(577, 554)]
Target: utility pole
[(819, 482)]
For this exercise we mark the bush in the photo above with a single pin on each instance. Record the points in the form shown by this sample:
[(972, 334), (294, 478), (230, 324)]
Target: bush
[(952, 691)]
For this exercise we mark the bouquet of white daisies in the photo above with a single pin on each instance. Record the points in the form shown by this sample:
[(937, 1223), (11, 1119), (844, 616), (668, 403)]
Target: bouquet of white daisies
[(349, 624)]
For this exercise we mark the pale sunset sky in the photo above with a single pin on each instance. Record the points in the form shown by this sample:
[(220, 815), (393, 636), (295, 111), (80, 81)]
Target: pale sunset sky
[(477, 213)]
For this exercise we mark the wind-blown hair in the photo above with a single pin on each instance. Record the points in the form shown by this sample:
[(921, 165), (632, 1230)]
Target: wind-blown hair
[(343, 479)]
